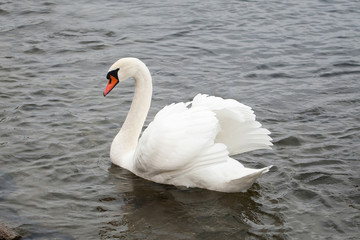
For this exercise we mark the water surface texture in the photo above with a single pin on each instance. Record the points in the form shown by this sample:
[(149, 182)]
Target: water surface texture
[(295, 62)]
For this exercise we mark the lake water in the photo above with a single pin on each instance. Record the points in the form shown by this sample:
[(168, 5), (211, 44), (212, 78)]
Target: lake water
[(297, 63)]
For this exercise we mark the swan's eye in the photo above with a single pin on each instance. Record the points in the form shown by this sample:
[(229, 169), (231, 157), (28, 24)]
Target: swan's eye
[(113, 73)]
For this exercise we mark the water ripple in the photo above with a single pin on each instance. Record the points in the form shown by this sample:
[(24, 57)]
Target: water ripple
[(295, 63)]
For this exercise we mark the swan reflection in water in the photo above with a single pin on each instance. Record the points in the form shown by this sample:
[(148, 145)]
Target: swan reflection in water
[(141, 209)]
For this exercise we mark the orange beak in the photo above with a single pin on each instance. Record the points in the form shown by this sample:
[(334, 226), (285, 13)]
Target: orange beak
[(111, 84)]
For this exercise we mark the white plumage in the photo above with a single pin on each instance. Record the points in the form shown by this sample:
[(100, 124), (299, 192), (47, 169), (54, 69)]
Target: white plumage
[(187, 144)]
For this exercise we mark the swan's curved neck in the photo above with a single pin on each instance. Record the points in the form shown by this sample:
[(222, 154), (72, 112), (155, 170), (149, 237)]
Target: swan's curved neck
[(125, 142)]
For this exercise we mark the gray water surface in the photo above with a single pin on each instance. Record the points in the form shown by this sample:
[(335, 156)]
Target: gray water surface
[(295, 62)]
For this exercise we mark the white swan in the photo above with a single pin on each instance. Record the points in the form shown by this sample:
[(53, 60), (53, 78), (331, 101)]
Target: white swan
[(187, 144)]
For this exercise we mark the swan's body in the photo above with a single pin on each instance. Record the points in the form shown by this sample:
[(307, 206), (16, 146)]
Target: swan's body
[(186, 146)]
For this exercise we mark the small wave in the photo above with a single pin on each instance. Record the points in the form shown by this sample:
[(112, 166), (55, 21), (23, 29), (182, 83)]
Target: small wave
[(263, 67), (331, 225), (317, 178), (3, 12), (34, 50), (347, 64), (251, 75), (8, 184), (305, 194), (313, 163), (335, 74), (29, 107), (280, 75), (325, 180), (289, 141), (314, 111), (35, 12)]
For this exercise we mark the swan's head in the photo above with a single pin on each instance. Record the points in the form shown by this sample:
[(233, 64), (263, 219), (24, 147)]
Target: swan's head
[(121, 70)]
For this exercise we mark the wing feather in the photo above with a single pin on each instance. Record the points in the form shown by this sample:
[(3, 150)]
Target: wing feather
[(240, 132), (176, 137)]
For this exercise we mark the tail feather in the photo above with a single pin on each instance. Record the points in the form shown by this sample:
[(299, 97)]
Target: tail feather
[(244, 183)]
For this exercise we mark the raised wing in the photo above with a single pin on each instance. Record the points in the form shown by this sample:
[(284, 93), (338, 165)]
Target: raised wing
[(239, 130), (178, 140)]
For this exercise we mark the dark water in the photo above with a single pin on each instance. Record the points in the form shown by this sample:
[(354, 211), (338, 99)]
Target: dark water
[(295, 62)]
